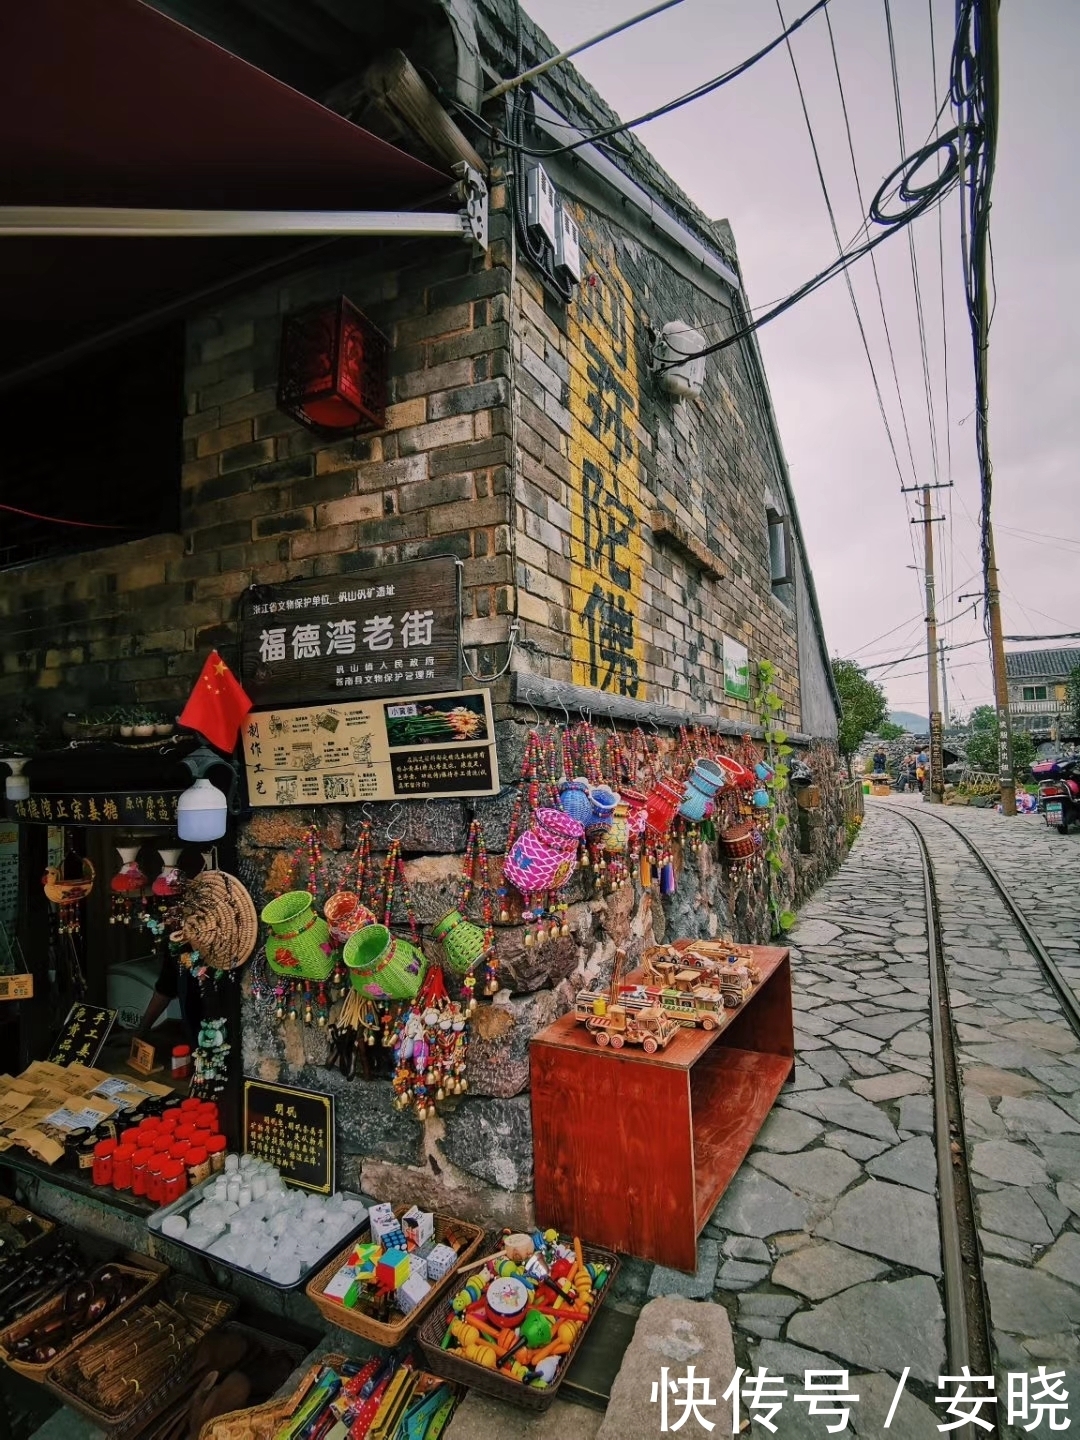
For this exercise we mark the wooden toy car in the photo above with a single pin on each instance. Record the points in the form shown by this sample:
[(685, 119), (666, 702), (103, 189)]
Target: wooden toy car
[(651, 1028)]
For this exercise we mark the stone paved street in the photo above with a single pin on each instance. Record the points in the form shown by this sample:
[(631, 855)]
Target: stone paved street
[(826, 1247)]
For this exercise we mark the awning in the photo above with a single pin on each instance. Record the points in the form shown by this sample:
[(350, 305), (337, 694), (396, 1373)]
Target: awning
[(110, 103)]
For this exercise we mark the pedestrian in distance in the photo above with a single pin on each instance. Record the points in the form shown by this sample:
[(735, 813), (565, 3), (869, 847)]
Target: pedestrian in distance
[(922, 762), (881, 761)]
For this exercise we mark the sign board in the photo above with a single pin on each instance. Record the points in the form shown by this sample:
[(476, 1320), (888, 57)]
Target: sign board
[(82, 1035), (736, 669), (372, 750), (391, 631), (1004, 747), (100, 807), (294, 1130), (142, 1057), (937, 759)]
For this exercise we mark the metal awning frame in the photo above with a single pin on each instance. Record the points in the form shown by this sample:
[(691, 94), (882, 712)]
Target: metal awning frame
[(469, 223)]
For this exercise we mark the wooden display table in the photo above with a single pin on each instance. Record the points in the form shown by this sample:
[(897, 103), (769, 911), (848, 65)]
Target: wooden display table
[(633, 1151)]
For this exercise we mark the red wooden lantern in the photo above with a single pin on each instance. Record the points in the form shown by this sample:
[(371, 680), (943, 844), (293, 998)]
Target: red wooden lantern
[(333, 373)]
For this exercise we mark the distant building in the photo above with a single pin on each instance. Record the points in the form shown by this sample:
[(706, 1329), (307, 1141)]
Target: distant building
[(1038, 686)]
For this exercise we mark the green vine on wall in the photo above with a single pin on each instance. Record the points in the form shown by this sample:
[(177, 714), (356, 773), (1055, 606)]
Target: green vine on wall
[(770, 704)]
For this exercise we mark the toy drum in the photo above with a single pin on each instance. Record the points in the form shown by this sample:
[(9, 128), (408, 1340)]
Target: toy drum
[(738, 842)]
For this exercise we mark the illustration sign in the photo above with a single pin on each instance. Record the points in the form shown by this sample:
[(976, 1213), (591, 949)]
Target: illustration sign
[(607, 512), (372, 750), (736, 669), (294, 1130), (390, 631)]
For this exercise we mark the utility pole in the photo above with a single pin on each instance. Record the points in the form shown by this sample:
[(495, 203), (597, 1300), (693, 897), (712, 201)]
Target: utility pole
[(933, 789), (979, 242), (944, 685)]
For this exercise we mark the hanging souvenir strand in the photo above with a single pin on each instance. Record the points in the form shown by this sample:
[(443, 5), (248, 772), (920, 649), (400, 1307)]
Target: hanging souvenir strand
[(429, 1042), (464, 944), (537, 789)]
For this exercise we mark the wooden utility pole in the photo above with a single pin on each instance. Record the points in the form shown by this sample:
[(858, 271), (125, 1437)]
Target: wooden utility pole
[(932, 790), (980, 247), (944, 686)]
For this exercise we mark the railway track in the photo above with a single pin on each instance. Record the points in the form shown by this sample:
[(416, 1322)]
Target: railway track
[(972, 1338)]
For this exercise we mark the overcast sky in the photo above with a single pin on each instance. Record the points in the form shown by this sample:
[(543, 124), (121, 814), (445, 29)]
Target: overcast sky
[(744, 154)]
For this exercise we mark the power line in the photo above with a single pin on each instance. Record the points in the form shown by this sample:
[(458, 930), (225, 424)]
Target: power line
[(873, 257), (840, 250), (911, 250)]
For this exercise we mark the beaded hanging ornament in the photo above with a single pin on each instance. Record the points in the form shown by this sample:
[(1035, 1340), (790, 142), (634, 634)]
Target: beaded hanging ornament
[(296, 997), (543, 914), (430, 1041), (211, 1061), (476, 888)]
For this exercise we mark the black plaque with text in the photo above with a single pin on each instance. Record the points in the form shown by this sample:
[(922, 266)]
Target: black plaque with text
[(294, 1130), (82, 1035), (390, 631)]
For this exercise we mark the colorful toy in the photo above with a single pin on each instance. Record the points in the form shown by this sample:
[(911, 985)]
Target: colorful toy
[(610, 1022)]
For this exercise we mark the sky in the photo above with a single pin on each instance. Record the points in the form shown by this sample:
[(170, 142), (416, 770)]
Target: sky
[(744, 154)]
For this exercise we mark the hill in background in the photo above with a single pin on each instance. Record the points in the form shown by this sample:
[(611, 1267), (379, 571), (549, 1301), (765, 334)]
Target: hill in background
[(917, 724)]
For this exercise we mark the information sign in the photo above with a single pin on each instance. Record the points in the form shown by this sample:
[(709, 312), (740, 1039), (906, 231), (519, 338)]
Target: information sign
[(736, 669), (100, 807), (390, 631), (294, 1130), (372, 750), (82, 1035)]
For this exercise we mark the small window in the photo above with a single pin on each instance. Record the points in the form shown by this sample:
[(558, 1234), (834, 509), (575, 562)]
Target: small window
[(779, 549), (1034, 692)]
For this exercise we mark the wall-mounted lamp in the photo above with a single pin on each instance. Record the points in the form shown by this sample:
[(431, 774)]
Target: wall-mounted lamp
[(17, 785), (677, 361), (202, 812)]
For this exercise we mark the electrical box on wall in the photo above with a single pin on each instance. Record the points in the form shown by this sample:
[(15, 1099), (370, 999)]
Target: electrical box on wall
[(540, 207), (567, 246), (679, 367)]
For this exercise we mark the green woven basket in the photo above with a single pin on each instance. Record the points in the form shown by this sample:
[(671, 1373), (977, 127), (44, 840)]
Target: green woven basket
[(462, 942), (381, 966), (299, 945)]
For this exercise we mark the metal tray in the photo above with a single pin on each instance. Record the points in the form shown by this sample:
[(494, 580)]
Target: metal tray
[(192, 1197)]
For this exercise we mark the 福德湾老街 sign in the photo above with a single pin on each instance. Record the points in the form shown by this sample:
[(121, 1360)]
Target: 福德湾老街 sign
[(394, 749), (390, 631)]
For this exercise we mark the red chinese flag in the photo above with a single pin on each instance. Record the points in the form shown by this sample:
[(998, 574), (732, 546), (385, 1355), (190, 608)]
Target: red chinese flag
[(217, 705)]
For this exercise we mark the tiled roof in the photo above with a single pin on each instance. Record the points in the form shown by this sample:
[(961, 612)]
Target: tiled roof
[(1040, 664)]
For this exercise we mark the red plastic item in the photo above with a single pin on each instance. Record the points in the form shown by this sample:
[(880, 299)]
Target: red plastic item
[(216, 1147), (139, 1162), (173, 1181), (154, 1180), (179, 1150), (189, 1106), (198, 1165), (180, 1063), (185, 1130), (121, 1167), (103, 1162)]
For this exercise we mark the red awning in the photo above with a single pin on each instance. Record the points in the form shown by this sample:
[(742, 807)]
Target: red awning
[(110, 103)]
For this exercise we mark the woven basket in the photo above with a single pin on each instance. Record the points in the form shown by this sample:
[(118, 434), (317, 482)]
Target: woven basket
[(299, 946), (452, 1366), (218, 919), (262, 1422), (394, 1332), (43, 1229), (383, 967), (346, 913), (65, 1379), (25, 1323), (463, 943), (738, 842)]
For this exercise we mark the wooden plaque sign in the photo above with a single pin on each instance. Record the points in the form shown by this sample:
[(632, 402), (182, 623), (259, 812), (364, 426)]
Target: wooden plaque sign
[(373, 750), (143, 1057), (390, 631), (82, 1035), (294, 1130), (100, 807)]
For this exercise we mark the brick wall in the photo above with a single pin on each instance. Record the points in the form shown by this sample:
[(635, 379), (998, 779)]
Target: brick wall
[(263, 499)]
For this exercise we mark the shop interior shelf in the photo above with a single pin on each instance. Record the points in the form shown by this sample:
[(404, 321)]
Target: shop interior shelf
[(633, 1151)]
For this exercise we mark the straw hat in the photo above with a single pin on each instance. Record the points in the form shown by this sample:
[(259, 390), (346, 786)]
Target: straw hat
[(219, 920)]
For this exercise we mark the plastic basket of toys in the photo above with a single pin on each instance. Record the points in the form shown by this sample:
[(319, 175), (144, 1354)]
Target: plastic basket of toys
[(513, 1328), (388, 1279)]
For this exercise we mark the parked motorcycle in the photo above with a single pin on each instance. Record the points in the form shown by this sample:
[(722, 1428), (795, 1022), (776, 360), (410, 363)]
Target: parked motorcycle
[(1059, 791)]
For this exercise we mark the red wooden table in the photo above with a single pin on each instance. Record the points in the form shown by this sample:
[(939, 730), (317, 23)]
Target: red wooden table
[(633, 1151)]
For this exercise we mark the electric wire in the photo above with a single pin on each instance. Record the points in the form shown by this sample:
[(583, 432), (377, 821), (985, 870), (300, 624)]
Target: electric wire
[(840, 251), (911, 251), (873, 257)]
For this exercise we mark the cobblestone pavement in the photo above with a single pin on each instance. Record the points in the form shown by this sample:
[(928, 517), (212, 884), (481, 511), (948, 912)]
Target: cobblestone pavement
[(826, 1246)]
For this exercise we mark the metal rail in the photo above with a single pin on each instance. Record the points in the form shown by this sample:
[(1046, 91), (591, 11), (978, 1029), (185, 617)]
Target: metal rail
[(954, 1267), (1067, 996)]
